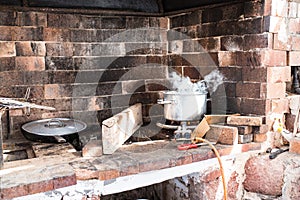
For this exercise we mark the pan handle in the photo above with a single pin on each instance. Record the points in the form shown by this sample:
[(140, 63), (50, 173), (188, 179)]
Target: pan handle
[(59, 139)]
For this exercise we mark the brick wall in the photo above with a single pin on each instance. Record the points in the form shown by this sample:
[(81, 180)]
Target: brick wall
[(244, 42), (86, 66), (92, 66)]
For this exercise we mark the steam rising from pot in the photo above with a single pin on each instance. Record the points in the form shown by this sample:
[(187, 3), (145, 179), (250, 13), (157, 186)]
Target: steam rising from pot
[(185, 85)]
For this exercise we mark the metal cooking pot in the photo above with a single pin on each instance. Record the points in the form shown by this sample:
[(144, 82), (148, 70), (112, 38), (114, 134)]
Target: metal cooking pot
[(183, 106), (53, 130)]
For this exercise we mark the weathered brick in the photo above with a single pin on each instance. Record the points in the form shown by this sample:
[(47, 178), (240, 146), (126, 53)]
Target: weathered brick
[(7, 63), (129, 87), (254, 74), (210, 44), (254, 8), (30, 63), (92, 149), (27, 33), (294, 26), (282, 42), (30, 49), (90, 22), (294, 58), (275, 90), (222, 134), (5, 33), (244, 120), (7, 49), (295, 145), (63, 20), (59, 63), (232, 43), (65, 181), (109, 174), (249, 58), (278, 74), (56, 34), (113, 23), (248, 26), (274, 58), (8, 18), (59, 49), (244, 130), (280, 106), (249, 90), (260, 137), (39, 187), (32, 19), (264, 128), (226, 58), (230, 89), (255, 41), (273, 24), (231, 73), (17, 191), (279, 8), (295, 42)]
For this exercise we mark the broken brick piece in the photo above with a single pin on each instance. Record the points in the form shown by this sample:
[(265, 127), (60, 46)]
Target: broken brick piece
[(222, 134), (295, 145), (245, 120)]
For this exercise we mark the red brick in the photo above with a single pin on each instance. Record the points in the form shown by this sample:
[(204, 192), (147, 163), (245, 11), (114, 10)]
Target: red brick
[(254, 74), (27, 33), (282, 42), (295, 42), (254, 106), (255, 41), (293, 25), (183, 160), (17, 191), (273, 24), (248, 90), (278, 74), (252, 59), (295, 145), (30, 49), (109, 174), (231, 73), (294, 58), (226, 58), (5, 33), (56, 34), (260, 137), (274, 58), (232, 43), (86, 174), (61, 182), (267, 7), (276, 90), (40, 187), (244, 130), (245, 120), (279, 8), (280, 106), (222, 134), (264, 128), (30, 63), (32, 19), (7, 49), (254, 8), (59, 49), (210, 44)]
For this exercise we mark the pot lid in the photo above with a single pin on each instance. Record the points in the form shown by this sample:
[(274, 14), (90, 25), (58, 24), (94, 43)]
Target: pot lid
[(54, 126)]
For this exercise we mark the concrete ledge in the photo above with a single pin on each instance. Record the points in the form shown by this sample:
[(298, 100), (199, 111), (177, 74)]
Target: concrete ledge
[(25, 177)]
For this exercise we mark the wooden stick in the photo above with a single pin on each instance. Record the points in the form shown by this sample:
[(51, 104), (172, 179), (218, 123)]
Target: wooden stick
[(11, 103)]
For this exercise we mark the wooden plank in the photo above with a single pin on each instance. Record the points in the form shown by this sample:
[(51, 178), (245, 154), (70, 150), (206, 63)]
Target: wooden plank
[(117, 129), (200, 129)]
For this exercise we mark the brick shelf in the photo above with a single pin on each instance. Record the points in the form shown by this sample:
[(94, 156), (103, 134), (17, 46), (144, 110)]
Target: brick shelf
[(25, 177)]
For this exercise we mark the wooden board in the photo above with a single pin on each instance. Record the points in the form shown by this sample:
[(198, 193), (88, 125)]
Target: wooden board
[(117, 129)]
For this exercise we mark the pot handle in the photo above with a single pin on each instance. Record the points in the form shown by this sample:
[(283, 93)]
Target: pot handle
[(162, 101)]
